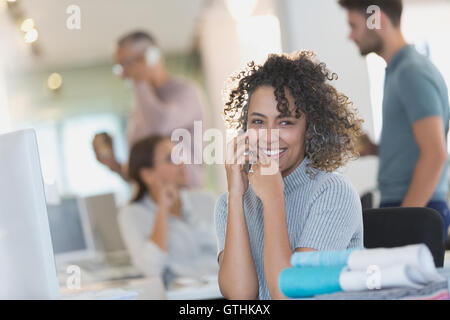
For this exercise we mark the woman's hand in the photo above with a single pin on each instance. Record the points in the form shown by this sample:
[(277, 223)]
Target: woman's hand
[(235, 166), (168, 195), (265, 178), (104, 151)]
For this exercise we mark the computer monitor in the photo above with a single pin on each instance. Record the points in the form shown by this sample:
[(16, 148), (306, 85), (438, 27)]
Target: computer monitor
[(70, 230), (27, 264), (102, 212)]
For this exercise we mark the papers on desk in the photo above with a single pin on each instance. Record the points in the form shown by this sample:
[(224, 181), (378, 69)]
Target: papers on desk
[(205, 287), (315, 273)]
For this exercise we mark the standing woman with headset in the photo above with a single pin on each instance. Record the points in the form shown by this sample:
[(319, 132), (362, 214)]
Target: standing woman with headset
[(163, 103), (303, 206)]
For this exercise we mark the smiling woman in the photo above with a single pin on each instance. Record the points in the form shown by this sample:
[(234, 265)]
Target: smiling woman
[(303, 206), (299, 87)]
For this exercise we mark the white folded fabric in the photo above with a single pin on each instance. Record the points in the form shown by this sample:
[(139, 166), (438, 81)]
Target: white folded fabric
[(418, 258), (409, 266), (390, 277)]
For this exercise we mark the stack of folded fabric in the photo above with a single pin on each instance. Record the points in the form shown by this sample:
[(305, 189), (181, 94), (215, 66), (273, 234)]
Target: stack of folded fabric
[(356, 270)]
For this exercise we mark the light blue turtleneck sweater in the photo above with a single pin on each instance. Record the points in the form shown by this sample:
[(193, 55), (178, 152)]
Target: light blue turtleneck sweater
[(323, 213)]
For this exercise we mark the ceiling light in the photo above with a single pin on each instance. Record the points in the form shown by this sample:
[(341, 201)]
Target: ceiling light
[(54, 81), (27, 25), (3, 5), (241, 9), (31, 36)]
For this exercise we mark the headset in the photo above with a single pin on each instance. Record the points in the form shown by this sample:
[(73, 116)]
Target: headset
[(152, 56)]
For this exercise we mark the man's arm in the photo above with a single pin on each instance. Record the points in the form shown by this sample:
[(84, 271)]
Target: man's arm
[(429, 136), (421, 99), (367, 147)]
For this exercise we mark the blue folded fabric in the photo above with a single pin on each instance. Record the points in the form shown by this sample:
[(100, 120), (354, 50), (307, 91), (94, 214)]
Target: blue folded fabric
[(321, 258), (309, 281)]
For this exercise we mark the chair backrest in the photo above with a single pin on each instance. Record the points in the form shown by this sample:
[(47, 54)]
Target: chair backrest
[(367, 200), (395, 227)]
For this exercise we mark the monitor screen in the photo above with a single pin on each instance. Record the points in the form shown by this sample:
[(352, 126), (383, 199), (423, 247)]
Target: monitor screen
[(102, 213), (66, 226), (27, 264)]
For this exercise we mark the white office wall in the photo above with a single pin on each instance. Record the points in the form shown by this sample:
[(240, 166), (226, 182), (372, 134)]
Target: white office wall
[(218, 43), (227, 44), (321, 26), (8, 32), (4, 114)]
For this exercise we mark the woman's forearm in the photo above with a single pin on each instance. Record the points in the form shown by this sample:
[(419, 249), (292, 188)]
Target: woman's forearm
[(426, 177), (237, 274), (121, 170), (159, 233), (277, 247)]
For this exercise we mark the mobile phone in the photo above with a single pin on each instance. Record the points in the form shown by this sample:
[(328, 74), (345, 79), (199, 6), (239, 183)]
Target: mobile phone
[(248, 165)]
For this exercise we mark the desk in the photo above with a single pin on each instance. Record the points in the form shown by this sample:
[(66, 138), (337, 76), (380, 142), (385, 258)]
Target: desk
[(207, 288), (141, 289), (136, 289), (153, 288)]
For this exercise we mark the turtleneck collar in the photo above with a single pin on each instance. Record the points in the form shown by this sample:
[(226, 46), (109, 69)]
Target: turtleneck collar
[(297, 177)]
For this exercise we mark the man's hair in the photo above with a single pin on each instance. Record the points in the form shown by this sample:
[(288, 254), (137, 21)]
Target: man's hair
[(392, 8), (135, 37)]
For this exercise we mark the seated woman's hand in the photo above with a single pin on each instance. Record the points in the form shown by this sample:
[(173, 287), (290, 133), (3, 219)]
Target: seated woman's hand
[(168, 196)]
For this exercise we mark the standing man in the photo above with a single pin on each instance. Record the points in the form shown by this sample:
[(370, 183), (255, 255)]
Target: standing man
[(412, 150), (163, 103)]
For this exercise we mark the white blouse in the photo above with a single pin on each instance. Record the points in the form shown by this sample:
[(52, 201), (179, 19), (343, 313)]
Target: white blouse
[(192, 242)]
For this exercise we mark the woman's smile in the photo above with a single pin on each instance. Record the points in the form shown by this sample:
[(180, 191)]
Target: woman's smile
[(275, 153)]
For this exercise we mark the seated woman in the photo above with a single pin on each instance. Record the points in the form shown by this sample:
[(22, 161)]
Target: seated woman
[(165, 228), (303, 206)]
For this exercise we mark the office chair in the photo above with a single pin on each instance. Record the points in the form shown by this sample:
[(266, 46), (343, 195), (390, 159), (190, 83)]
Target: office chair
[(367, 200), (395, 227)]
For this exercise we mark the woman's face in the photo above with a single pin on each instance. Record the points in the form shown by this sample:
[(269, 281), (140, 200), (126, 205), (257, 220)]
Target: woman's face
[(263, 114), (164, 170)]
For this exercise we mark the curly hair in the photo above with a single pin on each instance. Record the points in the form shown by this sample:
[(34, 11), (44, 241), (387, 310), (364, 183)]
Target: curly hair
[(333, 125)]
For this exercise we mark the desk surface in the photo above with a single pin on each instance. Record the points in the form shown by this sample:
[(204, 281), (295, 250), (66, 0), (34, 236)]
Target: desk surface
[(204, 289), (142, 289), (153, 288)]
